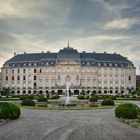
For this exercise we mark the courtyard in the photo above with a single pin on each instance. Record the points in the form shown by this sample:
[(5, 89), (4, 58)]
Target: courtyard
[(99, 124)]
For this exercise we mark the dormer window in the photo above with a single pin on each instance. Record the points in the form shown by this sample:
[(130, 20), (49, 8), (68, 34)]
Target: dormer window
[(105, 64), (47, 63), (88, 63)]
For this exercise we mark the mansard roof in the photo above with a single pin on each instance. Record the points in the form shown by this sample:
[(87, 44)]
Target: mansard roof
[(86, 59), (68, 53)]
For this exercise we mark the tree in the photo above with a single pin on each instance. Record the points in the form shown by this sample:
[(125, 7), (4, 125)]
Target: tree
[(5, 92)]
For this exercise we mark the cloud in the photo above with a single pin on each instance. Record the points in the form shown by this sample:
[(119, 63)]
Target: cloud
[(125, 23)]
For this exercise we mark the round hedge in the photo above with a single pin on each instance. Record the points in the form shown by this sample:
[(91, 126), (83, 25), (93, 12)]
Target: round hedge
[(127, 111), (42, 99), (108, 102), (27, 102), (9, 111), (93, 99)]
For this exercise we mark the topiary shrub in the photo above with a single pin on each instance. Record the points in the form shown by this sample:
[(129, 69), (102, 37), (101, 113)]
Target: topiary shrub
[(107, 102), (127, 111), (9, 111), (42, 99), (93, 99), (27, 102)]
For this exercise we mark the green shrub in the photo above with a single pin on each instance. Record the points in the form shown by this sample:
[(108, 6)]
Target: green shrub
[(107, 102), (42, 99), (113, 97), (27, 102), (9, 111), (93, 105), (80, 97), (93, 99), (127, 111), (22, 97), (55, 97)]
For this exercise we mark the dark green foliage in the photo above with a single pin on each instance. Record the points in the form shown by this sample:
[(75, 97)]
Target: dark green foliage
[(82, 93), (9, 111), (93, 105), (82, 97), (27, 102), (107, 102), (113, 97), (93, 99), (5, 92), (127, 111), (42, 99), (22, 97), (55, 97)]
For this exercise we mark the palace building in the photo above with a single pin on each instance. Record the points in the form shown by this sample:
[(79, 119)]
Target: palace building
[(41, 73)]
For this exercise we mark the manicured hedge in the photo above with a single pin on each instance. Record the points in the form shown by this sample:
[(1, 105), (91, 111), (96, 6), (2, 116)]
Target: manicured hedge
[(93, 99), (27, 102), (42, 99), (55, 97), (127, 111), (9, 111), (22, 97), (107, 102)]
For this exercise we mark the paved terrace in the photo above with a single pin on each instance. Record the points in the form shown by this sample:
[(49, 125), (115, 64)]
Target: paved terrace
[(68, 125)]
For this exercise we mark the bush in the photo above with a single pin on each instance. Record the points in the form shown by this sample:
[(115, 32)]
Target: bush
[(127, 111), (93, 99), (9, 111), (42, 99), (27, 102), (107, 102), (92, 104), (55, 97), (113, 97), (22, 97), (80, 97)]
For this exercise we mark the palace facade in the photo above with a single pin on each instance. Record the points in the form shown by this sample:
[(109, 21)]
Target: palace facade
[(40, 73)]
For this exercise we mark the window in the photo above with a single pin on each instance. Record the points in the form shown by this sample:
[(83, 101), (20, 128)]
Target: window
[(24, 77), (6, 71), (12, 71), (105, 64), (116, 65), (24, 70), (34, 70), (18, 78), (129, 78), (6, 78), (13, 78), (34, 77), (34, 85), (18, 71), (40, 70)]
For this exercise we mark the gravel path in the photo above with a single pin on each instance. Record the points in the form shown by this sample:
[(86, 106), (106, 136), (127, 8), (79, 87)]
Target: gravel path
[(68, 125)]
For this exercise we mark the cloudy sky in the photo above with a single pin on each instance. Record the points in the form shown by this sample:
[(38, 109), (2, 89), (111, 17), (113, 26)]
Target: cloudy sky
[(90, 25)]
